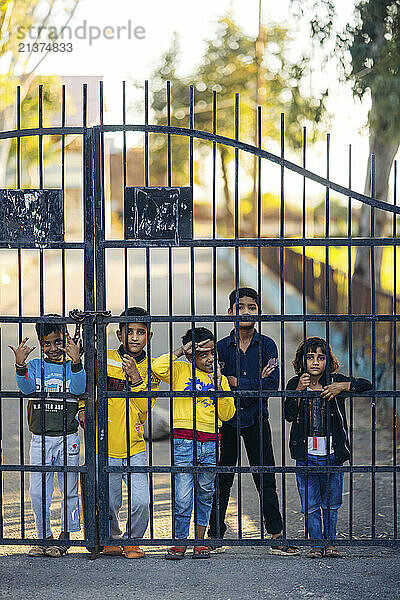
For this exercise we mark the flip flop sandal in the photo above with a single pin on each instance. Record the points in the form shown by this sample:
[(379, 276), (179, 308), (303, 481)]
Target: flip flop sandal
[(56, 551), (37, 551), (283, 550), (201, 552), (333, 553), (175, 553), (315, 553)]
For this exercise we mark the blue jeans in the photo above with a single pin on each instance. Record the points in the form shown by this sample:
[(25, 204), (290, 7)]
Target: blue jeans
[(184, 485), (318, 497)]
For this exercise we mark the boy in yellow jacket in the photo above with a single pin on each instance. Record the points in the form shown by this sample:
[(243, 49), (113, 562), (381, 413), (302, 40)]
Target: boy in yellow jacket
[(128, 366), (206, 433)]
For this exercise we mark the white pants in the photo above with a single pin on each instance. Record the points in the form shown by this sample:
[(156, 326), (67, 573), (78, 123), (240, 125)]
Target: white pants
[(140, 496), (54, 456)]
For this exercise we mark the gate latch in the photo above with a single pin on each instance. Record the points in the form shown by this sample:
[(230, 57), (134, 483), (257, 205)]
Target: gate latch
[(80, 315)]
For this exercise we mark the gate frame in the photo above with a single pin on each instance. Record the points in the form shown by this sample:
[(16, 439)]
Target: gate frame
[(94, 245)]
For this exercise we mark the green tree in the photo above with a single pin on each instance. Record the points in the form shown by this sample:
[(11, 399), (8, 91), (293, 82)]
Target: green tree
[(369, 53), (180, 100), (229, 65), (22, 68)]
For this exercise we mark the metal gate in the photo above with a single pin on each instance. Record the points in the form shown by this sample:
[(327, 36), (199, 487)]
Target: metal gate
[(169, 231)]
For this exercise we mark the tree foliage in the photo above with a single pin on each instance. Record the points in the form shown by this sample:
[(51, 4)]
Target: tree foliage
[(369, 53), (229, 65), (19, 69)]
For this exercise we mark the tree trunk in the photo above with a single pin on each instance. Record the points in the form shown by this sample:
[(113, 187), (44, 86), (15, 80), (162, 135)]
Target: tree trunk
[(384, 152)]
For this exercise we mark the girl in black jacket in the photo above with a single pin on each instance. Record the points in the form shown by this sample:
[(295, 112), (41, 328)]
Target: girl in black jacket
[(319, 435)]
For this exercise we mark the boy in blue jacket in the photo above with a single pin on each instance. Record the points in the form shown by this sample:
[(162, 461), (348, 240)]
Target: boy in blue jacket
[(60, 352), (250, 362)]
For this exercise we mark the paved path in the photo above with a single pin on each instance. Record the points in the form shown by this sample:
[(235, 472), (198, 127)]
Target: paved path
[(242, 574)]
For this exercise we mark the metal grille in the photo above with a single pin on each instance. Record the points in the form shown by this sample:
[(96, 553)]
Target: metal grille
[(245, 252)]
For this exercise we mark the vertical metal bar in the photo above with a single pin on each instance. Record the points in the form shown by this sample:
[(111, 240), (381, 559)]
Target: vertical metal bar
[(170, 306), (192, 314), (214, 302), (126, 266), (18, 119), (20, 332), (327, 311), (169, 160), (373, 357), (148, 307), (147, 251), (350, 310), (148, 281), (394, 422), (146, 134), (125, 338), (304, 306), (64, 387), (40, 154), (171, 385), (237, 283), (41, 313), (90, 490), (282, 290), (148, 284), (102, 304), (150, 428), (304, 302), (102, 396), (260, 345)]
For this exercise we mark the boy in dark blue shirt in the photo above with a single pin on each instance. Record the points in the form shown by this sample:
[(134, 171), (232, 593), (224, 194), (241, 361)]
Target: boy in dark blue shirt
[(250, 361)]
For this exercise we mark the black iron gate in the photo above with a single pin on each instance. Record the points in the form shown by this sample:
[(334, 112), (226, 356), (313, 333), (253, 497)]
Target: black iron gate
[(169, 229)]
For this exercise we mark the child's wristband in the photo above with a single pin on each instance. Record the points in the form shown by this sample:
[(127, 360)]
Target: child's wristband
[(17, 366)]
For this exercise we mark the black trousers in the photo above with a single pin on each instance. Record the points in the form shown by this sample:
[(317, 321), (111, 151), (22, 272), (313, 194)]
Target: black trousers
[(228, 457)]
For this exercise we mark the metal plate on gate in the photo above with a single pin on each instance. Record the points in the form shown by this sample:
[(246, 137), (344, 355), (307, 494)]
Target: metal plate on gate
[(31, 216), (159, 213)]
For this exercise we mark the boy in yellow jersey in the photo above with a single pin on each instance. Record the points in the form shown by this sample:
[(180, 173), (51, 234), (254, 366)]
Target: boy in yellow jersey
[(128, 365), (206, 434)]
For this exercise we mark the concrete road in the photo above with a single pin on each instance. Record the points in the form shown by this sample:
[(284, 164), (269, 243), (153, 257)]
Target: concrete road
[(241, 574)]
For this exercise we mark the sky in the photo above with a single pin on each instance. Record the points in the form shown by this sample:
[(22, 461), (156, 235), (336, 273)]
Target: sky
[(155, 22)]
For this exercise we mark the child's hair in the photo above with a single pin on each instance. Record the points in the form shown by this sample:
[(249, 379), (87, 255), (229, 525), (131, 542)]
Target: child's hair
[(201, 334), (132, 311), (312, 345), (243, 291), (43, 329)]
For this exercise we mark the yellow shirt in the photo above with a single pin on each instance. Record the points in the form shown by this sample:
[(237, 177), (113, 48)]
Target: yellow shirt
[(138, 407), (182, 380)]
